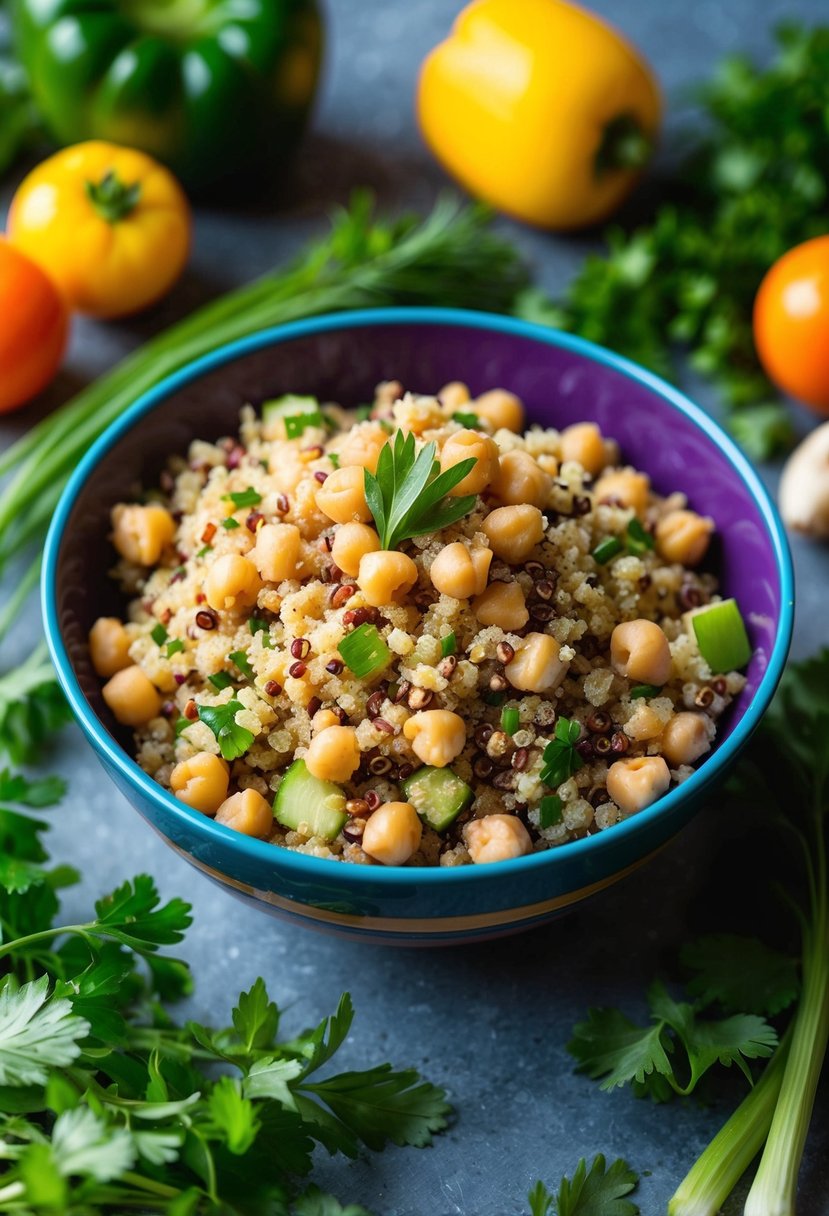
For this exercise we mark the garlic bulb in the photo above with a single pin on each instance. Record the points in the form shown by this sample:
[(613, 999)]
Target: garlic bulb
[(804, 485)]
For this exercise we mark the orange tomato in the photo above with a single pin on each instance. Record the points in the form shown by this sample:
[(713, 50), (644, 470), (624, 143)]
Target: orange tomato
[(34, 325), (791, 323)]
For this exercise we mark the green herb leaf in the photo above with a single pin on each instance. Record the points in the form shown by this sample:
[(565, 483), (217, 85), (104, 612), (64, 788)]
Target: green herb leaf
[(599, 1190), (240, 659), (234, 740), (468, 420), (606, 549), (541, 1201), (644, 690), (233, 1115), (174, 647), (296, 424), (561, 760), (407, 495), (134, 915), (314, 1203), (638, 540), (740, 973), (256, 1017), (220, 680), (230, 523), (381, 1105), (335, 460), (36, 1032), (159, 634), (46, 791), (550, 810), (32, 707), (608, 1046), (243, 498)]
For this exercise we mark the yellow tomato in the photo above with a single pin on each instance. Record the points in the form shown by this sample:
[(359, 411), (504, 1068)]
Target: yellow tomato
[(109, 225), (541, 109)]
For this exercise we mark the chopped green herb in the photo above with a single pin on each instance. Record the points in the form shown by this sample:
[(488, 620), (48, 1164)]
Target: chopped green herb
[(364, 652), (561, 760), (297, 424), (182, 724), (638, 540), (471, 421), (334, 458), (220, 680), (408, 494), (243, 498), (597, 1191), (606, 549), (240, 659), (645, 690), (174, 647), (448, 644), (233, 740), (204, 552), (510, 720), (257, 625), (230, 523), (159, 634), (550, 811), (721, 636)]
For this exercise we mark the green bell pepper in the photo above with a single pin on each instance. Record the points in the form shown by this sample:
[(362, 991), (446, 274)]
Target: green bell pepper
[(219, 90)]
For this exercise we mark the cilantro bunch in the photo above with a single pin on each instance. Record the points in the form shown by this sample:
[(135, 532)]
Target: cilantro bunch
[(108, 1104)]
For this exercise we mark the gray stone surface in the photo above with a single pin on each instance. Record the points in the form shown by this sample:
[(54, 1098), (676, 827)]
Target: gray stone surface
[(489, 1022)]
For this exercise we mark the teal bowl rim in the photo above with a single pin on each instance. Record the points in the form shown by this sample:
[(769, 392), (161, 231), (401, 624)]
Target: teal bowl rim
[(311, 868)]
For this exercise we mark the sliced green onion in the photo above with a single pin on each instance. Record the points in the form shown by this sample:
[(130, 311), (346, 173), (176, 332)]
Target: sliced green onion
[(468, 420), (159, 635), (296, 424), (550, 810), (721, 636), (240, 660), (220, 680), (645, 690), (203, 552), (510, 720), (639, 541), (364, 652), (174, 647), (448, 644), (607, 548), (289, 406), (230, 523), (243, 498)]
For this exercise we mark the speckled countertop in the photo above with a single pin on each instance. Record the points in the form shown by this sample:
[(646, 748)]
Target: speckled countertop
[(489, 1022)]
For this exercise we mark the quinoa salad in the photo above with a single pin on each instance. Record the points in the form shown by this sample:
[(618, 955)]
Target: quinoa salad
[(415, 633)]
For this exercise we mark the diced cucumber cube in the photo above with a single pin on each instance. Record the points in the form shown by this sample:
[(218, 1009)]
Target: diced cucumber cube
[(303, 798), (438, 795)]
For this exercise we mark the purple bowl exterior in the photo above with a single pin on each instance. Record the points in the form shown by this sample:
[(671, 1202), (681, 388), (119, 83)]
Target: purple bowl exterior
[(559, 385)]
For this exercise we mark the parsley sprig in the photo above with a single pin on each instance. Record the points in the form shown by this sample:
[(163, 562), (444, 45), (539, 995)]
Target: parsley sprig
[(233, 740), (561, 760), (599, 1190), (407, 495)]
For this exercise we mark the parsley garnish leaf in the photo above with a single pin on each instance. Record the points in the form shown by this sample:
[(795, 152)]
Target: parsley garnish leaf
[(37, 1032), (561, 760), (134, 915), (233, 740), (233, 1114), (256, 1017), (243, 498), (46, 791), (740, 973), (598, 1191), (407, 495), (380, 1105), (611, 1047), (314, 1202)]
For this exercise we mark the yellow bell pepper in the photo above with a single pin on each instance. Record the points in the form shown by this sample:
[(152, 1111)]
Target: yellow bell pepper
[(541, 109), (109, 225)]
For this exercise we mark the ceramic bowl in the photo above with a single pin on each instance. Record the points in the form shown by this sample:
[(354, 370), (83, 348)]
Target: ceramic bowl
[(562, 380)]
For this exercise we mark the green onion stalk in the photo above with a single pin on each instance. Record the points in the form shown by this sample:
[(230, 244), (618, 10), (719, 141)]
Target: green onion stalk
[(450, 258)]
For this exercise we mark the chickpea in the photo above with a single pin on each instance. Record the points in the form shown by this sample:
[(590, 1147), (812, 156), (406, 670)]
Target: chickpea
[(501, 409), (232, 582), (496, 838), (520, 479), (513, 532), (460, 572), (132, 696), (639, 651), (463, 445), (385, 577), (276, 553), (333, 754), (453, 396), (685, 739), (342, 496), (502, 604), (537, 665), (322, 719), (362, 446), (109, 646), (635, 784), (140, 534), (684, 536), (246, 812), (201, 782), (351, 543), (627, 486), (392, 834), (583, 443), (437, 736)]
